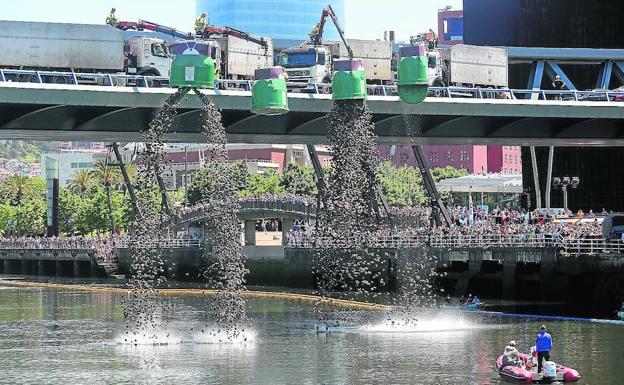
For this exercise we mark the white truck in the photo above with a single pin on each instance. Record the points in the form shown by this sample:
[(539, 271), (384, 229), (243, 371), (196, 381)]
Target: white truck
[(78, 48), (314, 63), (239, 58), (468, 66)]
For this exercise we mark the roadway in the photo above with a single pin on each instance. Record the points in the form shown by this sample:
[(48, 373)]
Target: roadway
[(34, 111)]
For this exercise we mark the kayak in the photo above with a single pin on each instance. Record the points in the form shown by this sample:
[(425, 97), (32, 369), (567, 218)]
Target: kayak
[(526, 375)]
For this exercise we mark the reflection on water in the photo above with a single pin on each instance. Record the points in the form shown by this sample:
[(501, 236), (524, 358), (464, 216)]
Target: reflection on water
[(66, 337)]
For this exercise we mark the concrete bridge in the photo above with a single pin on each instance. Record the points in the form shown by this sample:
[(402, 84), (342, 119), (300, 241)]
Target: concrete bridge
[(54, 262), (113, 114), (252, 210)]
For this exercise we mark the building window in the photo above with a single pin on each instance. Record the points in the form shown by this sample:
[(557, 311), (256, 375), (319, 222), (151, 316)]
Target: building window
[(433, 157), (449, 156), (85, 165), (464, 156), (74, 165)]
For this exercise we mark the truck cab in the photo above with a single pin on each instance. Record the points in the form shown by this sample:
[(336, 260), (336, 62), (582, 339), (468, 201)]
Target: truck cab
[(148, 56), (307, 64)]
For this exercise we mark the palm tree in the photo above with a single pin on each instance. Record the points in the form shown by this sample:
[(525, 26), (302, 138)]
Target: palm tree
[(81, 182), (15, 187), (108, 176)]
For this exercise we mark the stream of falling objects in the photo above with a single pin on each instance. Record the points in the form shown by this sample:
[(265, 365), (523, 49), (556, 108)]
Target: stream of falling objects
[(223, 266)]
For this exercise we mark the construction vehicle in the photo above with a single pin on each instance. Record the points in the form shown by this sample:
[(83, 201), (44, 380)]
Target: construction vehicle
[(237, 54), (312, 61), (464, 65), (72, 48)]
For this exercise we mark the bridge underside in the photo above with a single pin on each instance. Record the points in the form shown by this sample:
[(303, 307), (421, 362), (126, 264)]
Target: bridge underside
[(51, 112)]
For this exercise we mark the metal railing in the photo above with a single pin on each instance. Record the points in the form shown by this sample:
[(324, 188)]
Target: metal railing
[(588, 246), (123, 80)]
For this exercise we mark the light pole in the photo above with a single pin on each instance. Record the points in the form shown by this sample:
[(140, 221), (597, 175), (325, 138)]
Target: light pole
[(565, 183)]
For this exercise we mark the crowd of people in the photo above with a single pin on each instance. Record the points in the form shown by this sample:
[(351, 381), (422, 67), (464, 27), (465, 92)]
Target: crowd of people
[(104, 247)]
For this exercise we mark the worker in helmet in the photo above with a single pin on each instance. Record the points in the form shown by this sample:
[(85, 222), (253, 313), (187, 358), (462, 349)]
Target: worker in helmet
[(200, 24), (111, 19)]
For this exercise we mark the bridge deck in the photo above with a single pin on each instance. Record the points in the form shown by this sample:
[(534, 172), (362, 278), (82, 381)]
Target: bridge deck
[(97, 113)]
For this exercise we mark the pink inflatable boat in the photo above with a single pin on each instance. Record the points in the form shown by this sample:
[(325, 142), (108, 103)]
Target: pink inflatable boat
[(525, 375)]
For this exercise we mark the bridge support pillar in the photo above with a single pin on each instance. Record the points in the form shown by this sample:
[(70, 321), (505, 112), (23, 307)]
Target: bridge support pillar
[(76, 269), (287, 225), (6, 264), (552, 286), (58, 268), (27, 267), (93, 271), (509, 277), (250, 233), (474, 268)]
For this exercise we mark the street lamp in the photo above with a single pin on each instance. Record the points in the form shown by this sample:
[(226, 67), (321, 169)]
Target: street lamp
[(564, 183)]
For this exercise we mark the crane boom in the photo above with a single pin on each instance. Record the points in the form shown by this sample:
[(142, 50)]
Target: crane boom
[(143, 25), (316, 36)]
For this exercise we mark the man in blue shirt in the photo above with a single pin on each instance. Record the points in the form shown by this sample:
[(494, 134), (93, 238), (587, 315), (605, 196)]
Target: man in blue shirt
[(544, 344)]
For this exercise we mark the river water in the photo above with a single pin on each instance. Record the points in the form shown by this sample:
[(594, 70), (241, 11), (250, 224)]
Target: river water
[(54, 336)]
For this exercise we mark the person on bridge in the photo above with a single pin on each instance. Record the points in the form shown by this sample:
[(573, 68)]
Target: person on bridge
[(544, 345), (111, 19), (200, 24)]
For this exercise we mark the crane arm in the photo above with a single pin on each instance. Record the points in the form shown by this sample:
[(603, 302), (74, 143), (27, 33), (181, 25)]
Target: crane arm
[(316, 36), (229, 31)]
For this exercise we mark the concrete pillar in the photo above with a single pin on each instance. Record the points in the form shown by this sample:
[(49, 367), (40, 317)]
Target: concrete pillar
[(474, 268), (287, 225), (93, 273), (510, 265), (58, 268), (41, 267), (250, 233), (76, 269), (7, 266)]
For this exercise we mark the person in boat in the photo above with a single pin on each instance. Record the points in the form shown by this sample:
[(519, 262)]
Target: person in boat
[(510, 356), (468, 300), (544, 344), (462, 300), (476, 301)]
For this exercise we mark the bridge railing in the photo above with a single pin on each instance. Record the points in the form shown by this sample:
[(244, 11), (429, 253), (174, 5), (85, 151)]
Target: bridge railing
[(588, 246), (122, 80)]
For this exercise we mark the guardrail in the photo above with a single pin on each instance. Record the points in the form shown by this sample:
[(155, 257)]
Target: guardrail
[(123, 80)]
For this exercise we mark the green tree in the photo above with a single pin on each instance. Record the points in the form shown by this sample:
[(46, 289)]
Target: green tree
[(448, 172), (17, 188), (81, 182), (268, 182), (205, 182), (7, 214), (402, 186), (30, 217), (299, 180)]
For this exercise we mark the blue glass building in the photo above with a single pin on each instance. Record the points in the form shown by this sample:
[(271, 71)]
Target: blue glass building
[(279, 19)]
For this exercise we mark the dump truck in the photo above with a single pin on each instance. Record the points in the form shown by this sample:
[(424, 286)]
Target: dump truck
[(78, 48), (469, 66), (237, 54), (312, 61)]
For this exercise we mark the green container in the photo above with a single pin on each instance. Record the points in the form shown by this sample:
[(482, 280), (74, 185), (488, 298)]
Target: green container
[(192, 71), (193, 65), (269, 95), (349, 80), (413, 82)]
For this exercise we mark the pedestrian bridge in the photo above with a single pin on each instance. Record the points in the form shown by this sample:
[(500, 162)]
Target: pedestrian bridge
[(258, 209), (34, 111)]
